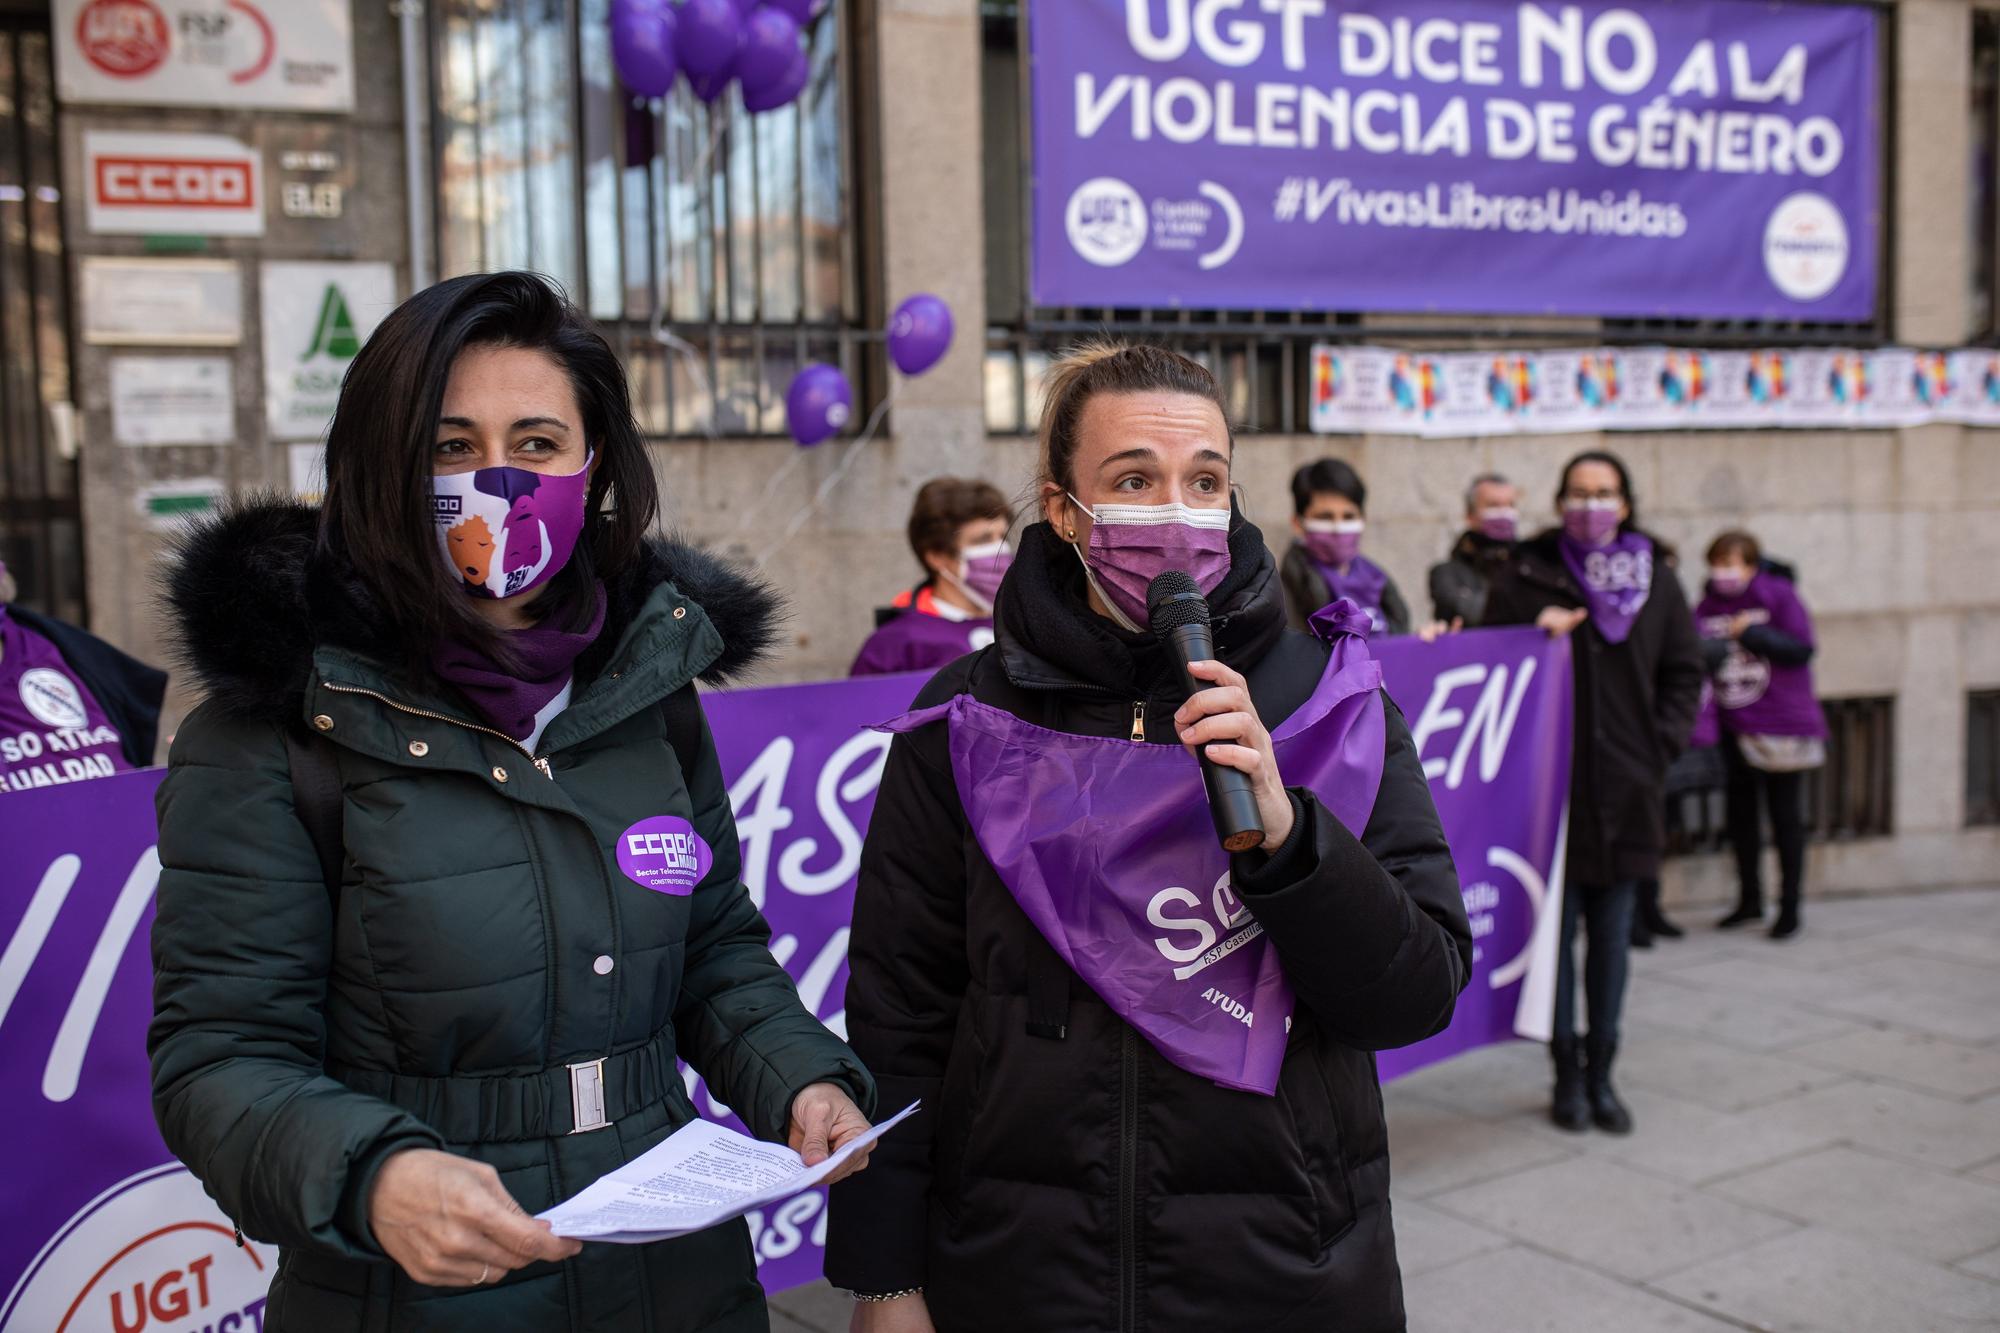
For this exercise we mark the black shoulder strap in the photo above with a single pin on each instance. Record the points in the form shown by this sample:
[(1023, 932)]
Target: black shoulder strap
[(316, 796), (681, 711)]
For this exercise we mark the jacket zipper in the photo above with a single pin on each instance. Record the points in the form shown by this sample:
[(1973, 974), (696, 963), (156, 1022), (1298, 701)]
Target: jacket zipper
[(1128, 1183), (1138, 719), (539, 761)]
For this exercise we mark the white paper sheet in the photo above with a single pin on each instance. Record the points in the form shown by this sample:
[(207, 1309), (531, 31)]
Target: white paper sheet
[(701, 1176)]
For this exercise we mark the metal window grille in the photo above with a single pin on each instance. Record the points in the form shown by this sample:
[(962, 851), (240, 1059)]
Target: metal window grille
[(41, 537), (1982, 757), (1852, 796), (1983, 181), (1262, 359), (718, 250)]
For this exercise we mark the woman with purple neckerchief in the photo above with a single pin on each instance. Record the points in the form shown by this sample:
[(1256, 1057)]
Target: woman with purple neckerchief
[(1602, 579), (1766, 716), (1148, 1094), (958, 532)]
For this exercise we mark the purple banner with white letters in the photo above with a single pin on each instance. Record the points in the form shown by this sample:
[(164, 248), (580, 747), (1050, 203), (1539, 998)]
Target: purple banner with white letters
[(99, 1217), (1714, 159)]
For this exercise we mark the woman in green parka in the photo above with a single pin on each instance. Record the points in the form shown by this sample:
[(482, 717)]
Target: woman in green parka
[(385, 1043)]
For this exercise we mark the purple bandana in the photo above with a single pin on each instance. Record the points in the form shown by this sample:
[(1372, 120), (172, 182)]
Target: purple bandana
[(1106, 845), (1616, 578), (509, 700), (919, 641), (1361, 584), (1754, 695)]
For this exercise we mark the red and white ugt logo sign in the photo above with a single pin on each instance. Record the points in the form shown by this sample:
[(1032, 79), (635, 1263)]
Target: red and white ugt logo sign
[(150, 1255), (124, 38)]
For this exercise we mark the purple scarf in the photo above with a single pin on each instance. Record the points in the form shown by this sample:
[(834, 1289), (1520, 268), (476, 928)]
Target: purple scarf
[(1616, 578), (510, 700), (1106, 845), (1362, 585), (1755, 696)]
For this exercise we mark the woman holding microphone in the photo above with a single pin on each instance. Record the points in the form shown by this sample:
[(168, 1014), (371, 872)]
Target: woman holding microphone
[(1145, 1064), (418, 976)]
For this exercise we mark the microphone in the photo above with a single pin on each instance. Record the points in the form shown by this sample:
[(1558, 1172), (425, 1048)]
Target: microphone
[(1179, 616)]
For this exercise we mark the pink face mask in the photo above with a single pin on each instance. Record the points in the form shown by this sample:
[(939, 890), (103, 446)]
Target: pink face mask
[(1591, 522), (1501, 525), (1333, 542), (1727, 582), (1131, 545), (982, 568)]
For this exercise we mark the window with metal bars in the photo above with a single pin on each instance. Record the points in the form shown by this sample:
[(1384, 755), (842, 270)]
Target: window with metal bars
[(1262, 359), (1982, 757), (41, 533), (719, 251)]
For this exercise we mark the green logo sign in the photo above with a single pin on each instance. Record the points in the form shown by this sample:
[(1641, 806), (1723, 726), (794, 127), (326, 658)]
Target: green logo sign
[(333, 332)]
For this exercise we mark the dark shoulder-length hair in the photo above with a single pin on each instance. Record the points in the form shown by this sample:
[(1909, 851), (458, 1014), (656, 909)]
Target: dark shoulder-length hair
[(377, 517)]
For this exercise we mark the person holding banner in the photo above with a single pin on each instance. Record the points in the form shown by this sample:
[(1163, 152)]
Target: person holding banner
[(1638, 674), (958, 532), (1145, 1062), (449, 878), (1324, 562), (1767, 717), (72, 707)]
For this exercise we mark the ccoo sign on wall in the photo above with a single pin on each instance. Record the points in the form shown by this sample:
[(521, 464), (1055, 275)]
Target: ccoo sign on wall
[(140, 183)]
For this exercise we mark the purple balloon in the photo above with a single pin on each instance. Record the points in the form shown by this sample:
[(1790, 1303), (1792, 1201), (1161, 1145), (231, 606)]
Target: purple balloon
[(919, 333), (802, 11), (708, 87), (782, 90), (818, 403), (770, 45), (710, 32), (642, 46)]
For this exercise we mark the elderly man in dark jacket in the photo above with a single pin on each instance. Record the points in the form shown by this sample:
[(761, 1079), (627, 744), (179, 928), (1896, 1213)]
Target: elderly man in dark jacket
[(1459, 582)]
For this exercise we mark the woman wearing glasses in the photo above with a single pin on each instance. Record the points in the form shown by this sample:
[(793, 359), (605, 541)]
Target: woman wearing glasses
[(1599, 576)]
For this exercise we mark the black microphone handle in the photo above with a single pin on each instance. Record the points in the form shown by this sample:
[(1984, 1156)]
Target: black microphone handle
[(1231, 802)]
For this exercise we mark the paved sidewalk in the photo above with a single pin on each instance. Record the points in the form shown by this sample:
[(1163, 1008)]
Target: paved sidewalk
[(1818, 1146)]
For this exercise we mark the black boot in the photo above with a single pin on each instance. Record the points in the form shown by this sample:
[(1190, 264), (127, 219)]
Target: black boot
[(1606, 1111), (1651, 917), (1744, 914), (1571, 1108), (1787, 924), (1642, 935)]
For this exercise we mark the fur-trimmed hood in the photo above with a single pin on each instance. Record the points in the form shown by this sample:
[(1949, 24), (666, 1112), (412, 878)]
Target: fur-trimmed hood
[(248, 603)]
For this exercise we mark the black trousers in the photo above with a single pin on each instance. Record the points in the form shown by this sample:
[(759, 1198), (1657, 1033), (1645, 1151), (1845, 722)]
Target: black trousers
[(1752, 791)]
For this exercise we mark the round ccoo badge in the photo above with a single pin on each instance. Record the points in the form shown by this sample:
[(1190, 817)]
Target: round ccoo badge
[(664, 854)]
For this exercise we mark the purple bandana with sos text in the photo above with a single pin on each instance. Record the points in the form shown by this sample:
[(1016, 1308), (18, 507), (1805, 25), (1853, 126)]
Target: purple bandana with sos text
[(1616, 578), (1107, 846)]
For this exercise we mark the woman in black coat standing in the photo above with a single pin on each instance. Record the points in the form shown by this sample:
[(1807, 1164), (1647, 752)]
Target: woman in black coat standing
[(1149, 1098), (1638, 675)]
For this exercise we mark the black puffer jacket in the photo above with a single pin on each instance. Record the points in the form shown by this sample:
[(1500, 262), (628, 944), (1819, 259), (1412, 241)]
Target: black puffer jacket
[(1085, 1183), (1635, 705)]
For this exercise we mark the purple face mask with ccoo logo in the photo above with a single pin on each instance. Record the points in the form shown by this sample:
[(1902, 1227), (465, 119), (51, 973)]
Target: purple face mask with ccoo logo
[(507, 530), (1131, 545)]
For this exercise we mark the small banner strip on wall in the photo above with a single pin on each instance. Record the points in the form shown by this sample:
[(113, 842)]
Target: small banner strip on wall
[(1381, 390)]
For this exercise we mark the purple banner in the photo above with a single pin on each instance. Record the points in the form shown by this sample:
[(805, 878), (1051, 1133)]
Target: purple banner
[(99, 1216), (1712, 159)]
